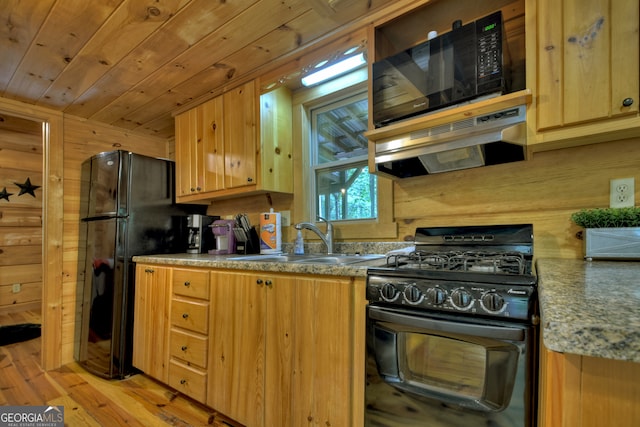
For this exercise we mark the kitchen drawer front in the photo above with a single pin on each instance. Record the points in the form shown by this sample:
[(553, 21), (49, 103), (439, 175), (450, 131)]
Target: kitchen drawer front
[(193, 316), (189, 347), (191, 283), (189, 381)]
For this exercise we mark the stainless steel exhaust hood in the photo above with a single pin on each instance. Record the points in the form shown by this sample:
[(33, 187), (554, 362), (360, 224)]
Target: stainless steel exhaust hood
[(487, 139)]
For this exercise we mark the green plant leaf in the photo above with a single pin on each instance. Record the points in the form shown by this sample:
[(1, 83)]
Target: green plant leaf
[(607, 217)]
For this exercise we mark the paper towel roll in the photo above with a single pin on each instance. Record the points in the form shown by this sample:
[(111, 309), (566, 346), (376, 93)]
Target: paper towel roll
[(270, 233)]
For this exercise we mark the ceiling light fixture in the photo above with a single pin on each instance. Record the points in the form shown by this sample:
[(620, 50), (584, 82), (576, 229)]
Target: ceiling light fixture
[(334, 70)]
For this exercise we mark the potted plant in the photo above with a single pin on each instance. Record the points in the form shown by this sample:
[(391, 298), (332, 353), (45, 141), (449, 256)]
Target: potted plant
[(610, 232)]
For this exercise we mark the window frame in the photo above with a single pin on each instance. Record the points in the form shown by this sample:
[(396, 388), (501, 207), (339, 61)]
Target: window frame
[(370, 230), (337, 99)]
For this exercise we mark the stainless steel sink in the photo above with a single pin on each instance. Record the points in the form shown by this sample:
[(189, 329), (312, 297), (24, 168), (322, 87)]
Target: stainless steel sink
[(269, 258), (335, 259), (341, 259)]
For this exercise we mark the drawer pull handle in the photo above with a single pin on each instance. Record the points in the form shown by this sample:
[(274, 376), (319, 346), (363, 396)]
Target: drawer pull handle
[(185, 315), (259, 281), (183, 381), (268, 283), (184, 348), (187, 283), (148, 270)]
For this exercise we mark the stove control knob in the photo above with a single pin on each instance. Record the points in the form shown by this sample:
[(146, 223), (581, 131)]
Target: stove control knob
[(436, 296), (492, 302), (461, 299), (388, 292), (413, 294)]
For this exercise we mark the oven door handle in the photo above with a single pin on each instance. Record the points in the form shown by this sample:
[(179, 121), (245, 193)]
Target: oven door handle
[(463, 328)]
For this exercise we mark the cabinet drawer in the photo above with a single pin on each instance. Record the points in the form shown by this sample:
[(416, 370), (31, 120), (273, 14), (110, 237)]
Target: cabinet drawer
[(191, 283), (189, 381), (189, 347), (190, 315)]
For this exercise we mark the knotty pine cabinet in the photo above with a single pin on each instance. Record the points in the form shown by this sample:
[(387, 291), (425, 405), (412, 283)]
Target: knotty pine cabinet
[(582, 62), (587, 70), (287, 350), (170, 330), (236, 144), (581, 391), (199, 150), (262, 349), (189, 332), (251, 347), (328, 365), (151, 320)]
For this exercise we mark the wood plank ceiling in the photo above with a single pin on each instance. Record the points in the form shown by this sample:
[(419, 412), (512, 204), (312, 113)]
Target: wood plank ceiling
[(131, 63)]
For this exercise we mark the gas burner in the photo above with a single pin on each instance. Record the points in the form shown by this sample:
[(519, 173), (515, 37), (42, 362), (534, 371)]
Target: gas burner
[(476, 261), (476, 271)]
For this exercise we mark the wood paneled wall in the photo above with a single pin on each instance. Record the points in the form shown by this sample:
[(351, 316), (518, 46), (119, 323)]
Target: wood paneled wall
[(543, 191), (20, 214), (83, 139)]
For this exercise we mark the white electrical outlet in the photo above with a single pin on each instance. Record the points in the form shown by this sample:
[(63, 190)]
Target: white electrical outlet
[(285, 218), (15, 288), (622, 193)]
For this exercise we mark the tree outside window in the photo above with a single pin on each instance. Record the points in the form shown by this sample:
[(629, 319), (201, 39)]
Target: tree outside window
[(344, 189)]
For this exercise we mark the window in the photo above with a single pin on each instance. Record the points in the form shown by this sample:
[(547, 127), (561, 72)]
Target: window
[(343, 187)]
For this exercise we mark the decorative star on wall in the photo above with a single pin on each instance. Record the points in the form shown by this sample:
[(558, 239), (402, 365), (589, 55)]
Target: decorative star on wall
[(4, 194), (27, 188)]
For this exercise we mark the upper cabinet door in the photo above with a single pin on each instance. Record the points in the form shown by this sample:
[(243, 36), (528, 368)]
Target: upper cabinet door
[(588, 65), (211, 155), (240, 136), (186, 148)]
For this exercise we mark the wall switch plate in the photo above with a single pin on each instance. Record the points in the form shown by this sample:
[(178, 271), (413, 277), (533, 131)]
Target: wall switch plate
[(285, 218), (15, 288), (622, 193)]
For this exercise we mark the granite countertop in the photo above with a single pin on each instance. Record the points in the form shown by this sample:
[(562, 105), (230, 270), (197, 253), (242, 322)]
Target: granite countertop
[(590, 308), (223, 261)]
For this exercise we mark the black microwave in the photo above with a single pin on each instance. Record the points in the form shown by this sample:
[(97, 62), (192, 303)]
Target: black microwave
[(468, 62)]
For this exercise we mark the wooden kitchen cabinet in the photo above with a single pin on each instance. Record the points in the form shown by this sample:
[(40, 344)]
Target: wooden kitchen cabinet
[(587, 72), (260, 348), (189, 332), (251, 344), (199, 150), (151, 321), (289, 350), (328, 379), (236, 144), (240, 136), (581, 391)]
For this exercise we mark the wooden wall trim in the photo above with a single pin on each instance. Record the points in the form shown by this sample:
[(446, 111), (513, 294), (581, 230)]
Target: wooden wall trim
[(52, 229)]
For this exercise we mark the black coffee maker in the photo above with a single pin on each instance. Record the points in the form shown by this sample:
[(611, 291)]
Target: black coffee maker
[(200, 239)]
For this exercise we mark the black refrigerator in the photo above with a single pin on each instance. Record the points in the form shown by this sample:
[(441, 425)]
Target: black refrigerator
[(127, 208)]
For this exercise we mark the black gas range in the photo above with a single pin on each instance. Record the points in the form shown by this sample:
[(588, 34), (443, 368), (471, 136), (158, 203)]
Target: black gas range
[(480, 271), (452, 331)]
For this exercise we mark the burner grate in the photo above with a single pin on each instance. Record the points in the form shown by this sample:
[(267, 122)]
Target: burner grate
[(476, 261)]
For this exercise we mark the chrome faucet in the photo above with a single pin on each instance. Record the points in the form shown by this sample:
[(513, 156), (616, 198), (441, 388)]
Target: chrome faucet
[(326, 238)]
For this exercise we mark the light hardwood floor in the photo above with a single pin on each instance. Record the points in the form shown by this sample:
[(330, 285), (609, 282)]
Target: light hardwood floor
[(87, 399)]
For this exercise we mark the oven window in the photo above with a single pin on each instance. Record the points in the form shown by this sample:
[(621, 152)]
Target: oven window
[(460, 369), (445, 364)]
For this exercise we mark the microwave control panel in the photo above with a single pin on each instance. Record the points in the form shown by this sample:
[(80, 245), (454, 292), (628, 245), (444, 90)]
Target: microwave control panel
[(489, 39)]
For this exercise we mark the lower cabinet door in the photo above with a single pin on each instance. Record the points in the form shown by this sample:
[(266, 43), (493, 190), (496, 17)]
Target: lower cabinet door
[(188, 380)]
